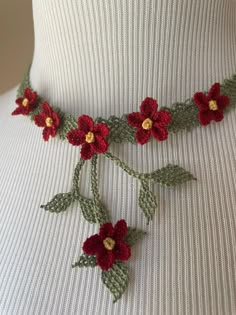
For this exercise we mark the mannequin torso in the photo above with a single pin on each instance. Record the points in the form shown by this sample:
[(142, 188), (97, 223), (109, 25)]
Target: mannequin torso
[(103, 59)]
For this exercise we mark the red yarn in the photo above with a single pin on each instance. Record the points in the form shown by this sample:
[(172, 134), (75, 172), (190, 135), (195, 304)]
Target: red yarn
[(31, 98), (159, 120), (41, 121), (106, 257), (206, 115), (99, 133)]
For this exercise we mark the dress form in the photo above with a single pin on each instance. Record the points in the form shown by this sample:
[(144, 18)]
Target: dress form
[(102, 59)]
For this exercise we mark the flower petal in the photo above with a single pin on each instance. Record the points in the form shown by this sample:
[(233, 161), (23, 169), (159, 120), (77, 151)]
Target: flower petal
[(46, 109), (19, 101), (205, 117), (214, 91), (52, 131), (105, 259), (17, 111), (46, 133), (149, 107), (93, 245), (122, 251), (159, 133), (101, 130), (40, 120), (85, 123), (120, 230), (222, 102), (87, 151), (135, 119), (56, 119), (217, 115), (76, 137), (142, 135), (162, 117), (30, 95), (100, 145), (201, 100), (106, 230)]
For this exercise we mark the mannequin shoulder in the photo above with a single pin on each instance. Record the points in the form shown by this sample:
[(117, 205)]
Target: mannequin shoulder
[(7, 102)]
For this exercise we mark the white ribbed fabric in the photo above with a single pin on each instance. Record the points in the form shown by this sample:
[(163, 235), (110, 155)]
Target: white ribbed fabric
[(102, 58)]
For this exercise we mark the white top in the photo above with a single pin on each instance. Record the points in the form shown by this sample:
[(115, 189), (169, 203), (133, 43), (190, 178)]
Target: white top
[(101, 58)]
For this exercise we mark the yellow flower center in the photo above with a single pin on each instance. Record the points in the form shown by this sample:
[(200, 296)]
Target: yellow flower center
[(25, 102), (49, 122), (109, 243), (147, 124), (89, 137), (212, 105)]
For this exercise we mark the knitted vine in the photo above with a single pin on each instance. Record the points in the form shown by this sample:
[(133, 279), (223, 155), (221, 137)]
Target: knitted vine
[(111, 247)]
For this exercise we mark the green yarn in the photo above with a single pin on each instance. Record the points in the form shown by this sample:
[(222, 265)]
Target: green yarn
[(86, 261), (183, 116), (147, 201), (120, 130), (59, 203), (170, 175), (133, 235), (94, 211), (68, 123), (76, 177), (87, 209), (116, 280), (99, 210), (228, 88)]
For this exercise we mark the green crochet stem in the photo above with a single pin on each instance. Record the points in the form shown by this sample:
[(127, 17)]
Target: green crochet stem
[(76, 178), (155, 176), (94, 211), (101, 214), (94, 179), (124, 166)]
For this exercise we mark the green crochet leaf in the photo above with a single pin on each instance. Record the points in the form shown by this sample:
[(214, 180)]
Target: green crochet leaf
[(147, 201), (120, 130), (183, 116), (228, 87), (171, 175), (133, 235), (116, 280), (86, 261), (87, 208), (59, 203), (93, 212)]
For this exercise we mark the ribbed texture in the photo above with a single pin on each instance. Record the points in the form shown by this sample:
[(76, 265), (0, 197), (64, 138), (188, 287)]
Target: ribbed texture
[(102, 58), (106, 56)]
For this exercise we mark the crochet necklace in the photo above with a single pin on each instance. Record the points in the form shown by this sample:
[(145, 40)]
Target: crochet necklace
[(111, 247)]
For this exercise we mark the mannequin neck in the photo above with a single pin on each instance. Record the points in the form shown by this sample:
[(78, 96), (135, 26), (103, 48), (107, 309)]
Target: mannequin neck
[(100, 58)]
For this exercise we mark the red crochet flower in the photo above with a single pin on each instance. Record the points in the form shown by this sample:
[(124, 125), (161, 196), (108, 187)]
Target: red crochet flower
[(47, 119), (26, 104), (149, 122), (108, 245), (91, 136), (211, 105)]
